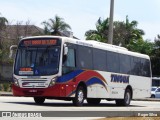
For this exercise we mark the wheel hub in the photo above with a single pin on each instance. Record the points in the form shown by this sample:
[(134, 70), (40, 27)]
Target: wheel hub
[(127, 98), (80, 96)]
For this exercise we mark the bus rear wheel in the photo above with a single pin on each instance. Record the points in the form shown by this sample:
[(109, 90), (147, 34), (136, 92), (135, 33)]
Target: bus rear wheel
[(93, 101), (79, 97), (39, 100), (127, 99)]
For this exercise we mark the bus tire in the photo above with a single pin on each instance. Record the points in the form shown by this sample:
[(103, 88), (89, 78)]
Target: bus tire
[(79, 97), (39, 100), (127, 99), (94, 101)]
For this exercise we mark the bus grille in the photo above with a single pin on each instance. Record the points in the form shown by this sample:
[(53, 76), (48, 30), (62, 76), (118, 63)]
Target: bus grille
[(34, 84)]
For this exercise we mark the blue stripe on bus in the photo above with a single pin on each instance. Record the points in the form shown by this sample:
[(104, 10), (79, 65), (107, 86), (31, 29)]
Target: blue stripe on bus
[(69, 76), (94, 81)]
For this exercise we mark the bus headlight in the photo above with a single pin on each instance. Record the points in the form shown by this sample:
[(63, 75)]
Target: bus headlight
[(53, 81), (15, 81)]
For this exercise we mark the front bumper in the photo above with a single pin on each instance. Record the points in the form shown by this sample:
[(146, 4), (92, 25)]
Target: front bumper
[(58, 90)]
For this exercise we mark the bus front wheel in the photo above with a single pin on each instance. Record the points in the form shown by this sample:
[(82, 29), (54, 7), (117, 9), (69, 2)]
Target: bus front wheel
[(127, 99), (39, 100), (79, 97)]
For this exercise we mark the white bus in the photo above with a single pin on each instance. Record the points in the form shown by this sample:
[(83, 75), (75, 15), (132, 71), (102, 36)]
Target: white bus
[(53, 67)]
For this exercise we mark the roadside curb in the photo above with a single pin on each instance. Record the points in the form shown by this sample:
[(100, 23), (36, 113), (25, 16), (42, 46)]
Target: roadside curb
[(147, 99), (6, 94)]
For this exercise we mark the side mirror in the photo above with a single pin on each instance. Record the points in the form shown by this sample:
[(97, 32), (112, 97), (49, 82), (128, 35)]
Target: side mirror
[(65, 49), (12, 49)]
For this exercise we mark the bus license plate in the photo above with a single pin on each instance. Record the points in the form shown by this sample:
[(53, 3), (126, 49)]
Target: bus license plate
[(33, 91)]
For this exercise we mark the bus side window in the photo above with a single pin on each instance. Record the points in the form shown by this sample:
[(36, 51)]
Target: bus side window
[(69, 63), (113, 62), (125, 64), (70, 60), (145, 68), (99, 60)]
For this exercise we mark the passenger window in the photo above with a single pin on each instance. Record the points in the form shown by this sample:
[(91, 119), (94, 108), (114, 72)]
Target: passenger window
[(112, 62), (146, 68), (84, 57), (125, 64), (135, 66), (99, 59)]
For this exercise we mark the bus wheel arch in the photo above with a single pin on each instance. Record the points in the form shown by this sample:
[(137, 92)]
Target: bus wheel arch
[(127, 97), (81, 94)]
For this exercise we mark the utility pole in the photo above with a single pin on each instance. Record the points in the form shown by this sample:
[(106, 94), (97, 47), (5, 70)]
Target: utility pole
[(110, 34)]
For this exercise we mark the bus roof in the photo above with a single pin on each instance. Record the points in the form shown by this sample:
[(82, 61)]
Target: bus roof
[(105, 46), (95, 44)]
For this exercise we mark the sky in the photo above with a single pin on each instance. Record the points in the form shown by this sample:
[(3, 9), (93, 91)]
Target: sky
[(82, 15)]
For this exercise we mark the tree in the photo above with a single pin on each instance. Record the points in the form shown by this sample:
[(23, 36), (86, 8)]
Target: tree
[(101, 32), (155, 57), (124, 32), (133, 33), (141, 46), (55, 26), (156, 50), (3, 23)]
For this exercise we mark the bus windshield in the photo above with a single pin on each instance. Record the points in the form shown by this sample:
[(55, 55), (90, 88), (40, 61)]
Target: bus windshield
[(37, 61)]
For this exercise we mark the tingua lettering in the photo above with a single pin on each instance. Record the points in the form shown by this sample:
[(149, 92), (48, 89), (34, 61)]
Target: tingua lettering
[(119, 78)]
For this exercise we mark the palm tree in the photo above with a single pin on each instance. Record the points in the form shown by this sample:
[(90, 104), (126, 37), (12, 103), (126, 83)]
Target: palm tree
[(133, 33), (101, 32), (123, 32), (55, 26)]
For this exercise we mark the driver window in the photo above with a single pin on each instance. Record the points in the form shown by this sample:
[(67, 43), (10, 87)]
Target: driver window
[(70, 61), (69, 64)]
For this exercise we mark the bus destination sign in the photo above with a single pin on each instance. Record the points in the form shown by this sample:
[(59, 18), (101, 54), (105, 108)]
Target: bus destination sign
[(39, 42)]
